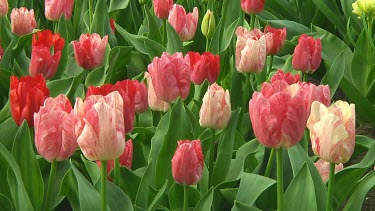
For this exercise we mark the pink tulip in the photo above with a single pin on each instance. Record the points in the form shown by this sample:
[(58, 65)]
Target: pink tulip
[(288, 77), (184, 24), (140, 97), (307, 54), (332, 131), (188, 162), (99, 126), (275, 39), (216, 108), (252, 6), (319, 93), (153, 101), (205, 66), (250, 50), (323, 169), (54, 129), (23, 21), (55, 8), (3, 7), (89, 51), (171, 76), (162, 7)]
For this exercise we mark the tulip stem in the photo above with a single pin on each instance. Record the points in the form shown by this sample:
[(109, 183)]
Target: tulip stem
[(207, 43), (270, 66), (104, 185), (280, 179), (186, 197), (117, 171), (252, 21), (246, 91), (91, 11), (212, 154), (164, 32), (52, 174), (331, 183), (269, 163), (304, 77)]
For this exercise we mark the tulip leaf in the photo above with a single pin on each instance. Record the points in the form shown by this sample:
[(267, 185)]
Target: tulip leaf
[(141, 199), (118, 5), (153, 28), (228, 35), (20, 198), (6, 34), (129, 182), (5, 203), (219, 202), (158, 197), (8, 130), (282, 8), (247, 194), (293, 28), (334, 75), (21, 43), (330, 10), (116, 198), (176, 199), (92, 169), (63, 31), (23, 154), (174, 43), (356, 199), (4, 85), (100, 23), (206, 201), (6, 59), (238, 206), (60, 86), (306, 196), (96, 77), (118, 58), (225, 150)]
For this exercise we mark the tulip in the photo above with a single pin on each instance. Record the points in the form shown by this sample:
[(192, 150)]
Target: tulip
[(252, 6), (99, 126), (307, 54), (216, 108), (184, 24), (112, 24), (26, 95), (89, 51), (323, 169), (208, 24), (275, 39), (125, 159), (171, 76), (55, 8), (288, 77), (250, 50), (332, 131), (187, 162), (140, 98), (153, 101), (3, 7), (162, 7), (54, 129), (364, 6), (1, 52), (319, 93), (205, 66), (23, 21), (42, 62)]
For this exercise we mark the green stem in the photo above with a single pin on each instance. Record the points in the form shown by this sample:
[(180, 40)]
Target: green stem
[(137, 120), (117, 171), (207, 43), (211, 161), (246, 91), (252, 21), (104, 185), (91, 11), (331, 183), (186, 198), (304, 76), (269, 163), (164, 32), (280, 179), (52, 174), (270, 66)]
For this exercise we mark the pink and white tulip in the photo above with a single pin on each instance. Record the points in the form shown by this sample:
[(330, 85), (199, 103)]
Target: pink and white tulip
[(55, 8), (154, 102), (3, 7), (184, 24), (323, 168), (23, 21)]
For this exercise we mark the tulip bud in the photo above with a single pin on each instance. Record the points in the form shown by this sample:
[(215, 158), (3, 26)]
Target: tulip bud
[(252, 6), (162, 8), (3, 7), (142, 2), (188, 162), (364, 6), (23, 21), (323, 168), (208, 24), (307, 54)]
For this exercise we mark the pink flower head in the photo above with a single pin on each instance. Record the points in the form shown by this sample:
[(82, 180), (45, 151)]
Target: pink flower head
[(3, 7), (275, 39), (154, 102), (307, 54), (323, 169), (188, 162), (184, 24), (89, 51), (171, 76), (162, 7), (55, 8), (205, 66), (250, 50), (140, 97), (54, 129), (252, 6), (23, 21), (288, 77)]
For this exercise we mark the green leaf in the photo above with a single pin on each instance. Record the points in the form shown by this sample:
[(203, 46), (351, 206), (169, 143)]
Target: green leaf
[(141, 199), (176, 199), (293, 28), (93, 170), (153, 28), (8, 130), (6, 59), (129, 182), (282, 8), (23, 154), (334, 75), (174, 43), (118, 58), (157, 198), (116, 198), (227, 35), (361, 64), (100, 23), (206, 201), (117, 5), (306, 195), (238, 206), (356, 199), (247, 194), (5, 203), (60, 86), (96, 77), (331, 11), (225, 150), (64, 32), (21, 43)]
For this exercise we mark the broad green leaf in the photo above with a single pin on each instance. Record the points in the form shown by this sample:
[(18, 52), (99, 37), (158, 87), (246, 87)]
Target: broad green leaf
[(129, 182), (238, 206), (64, 32), (306, 195), (8, 130), (6, 59), (116, 198), (227, 35), (118, 58), (361, 64), (282, 8), (356, 199), (219, 202), (21, 44), (157, 198), (60, 86), (96, 77), (132, 24), (117, 5), (206, 201), (100, 23), (141, 199), (23, 154), (153, 27), (331, 11), (92, 169), (176, 196), (174, 43), (334, 75), (292, 28), (5, 203)]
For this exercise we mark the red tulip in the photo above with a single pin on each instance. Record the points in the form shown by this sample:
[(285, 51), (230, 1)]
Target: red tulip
[(288, 77), (42, 62), (250, 50), (323, 168), (184, 24), (153, 101), (1, 52), (307, 54), (27, 94), (55, 8), (162, 7), (188, 162), (112, 23), (205, 66), (275, 39), (99, 126), (252, 6), (3, 7), (89, 51), (171, 76), (23, 21), (140, 98), (54, 129)]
